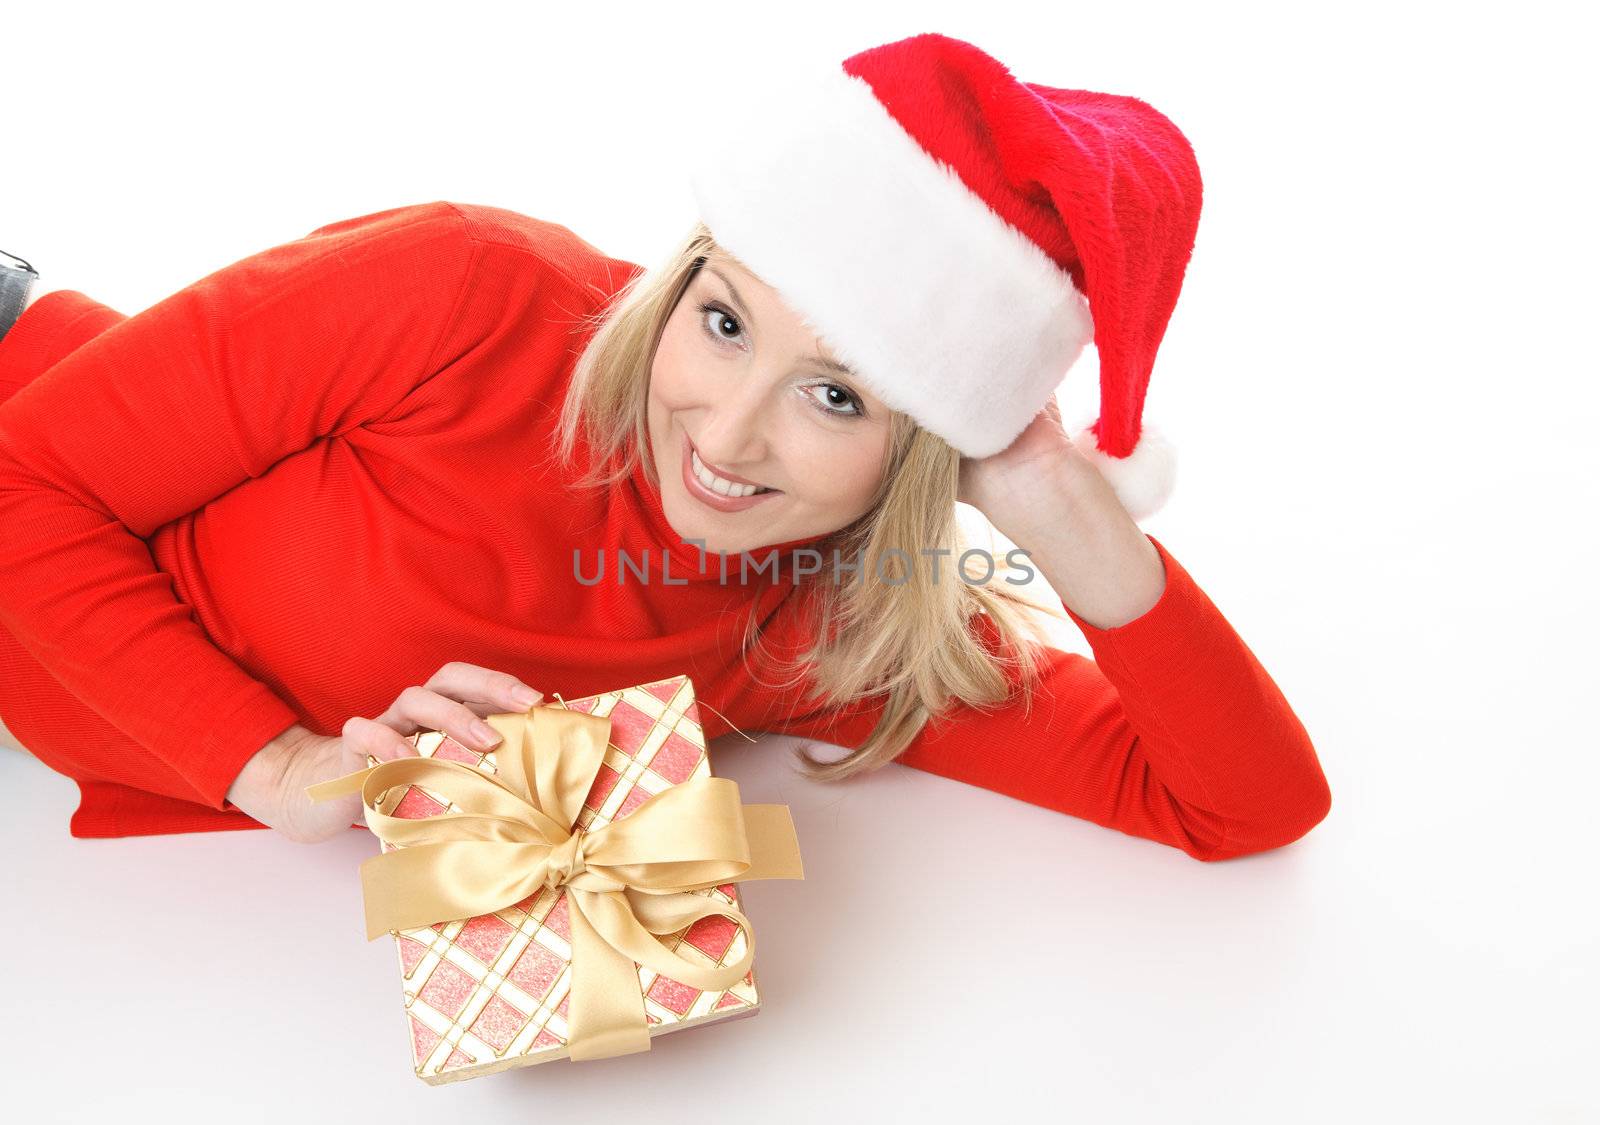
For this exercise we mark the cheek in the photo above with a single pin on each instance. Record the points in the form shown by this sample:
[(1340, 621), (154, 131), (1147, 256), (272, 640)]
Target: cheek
[(844, 473), (863, 475), (674, 386), (672, 375)]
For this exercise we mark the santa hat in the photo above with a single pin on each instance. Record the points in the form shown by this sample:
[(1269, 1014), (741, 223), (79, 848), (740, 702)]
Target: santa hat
[(956, 236)]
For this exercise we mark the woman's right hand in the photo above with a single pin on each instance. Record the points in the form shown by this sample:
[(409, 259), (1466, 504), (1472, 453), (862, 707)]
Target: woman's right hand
[(454, 700)]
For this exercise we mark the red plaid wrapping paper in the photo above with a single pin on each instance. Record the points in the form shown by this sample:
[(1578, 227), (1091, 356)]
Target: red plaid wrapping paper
[(490, 993)]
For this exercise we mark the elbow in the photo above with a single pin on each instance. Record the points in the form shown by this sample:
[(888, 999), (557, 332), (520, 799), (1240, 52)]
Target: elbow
[(1292, 817)]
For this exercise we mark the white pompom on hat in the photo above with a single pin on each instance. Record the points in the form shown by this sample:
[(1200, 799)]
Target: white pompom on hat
[(957, 236)]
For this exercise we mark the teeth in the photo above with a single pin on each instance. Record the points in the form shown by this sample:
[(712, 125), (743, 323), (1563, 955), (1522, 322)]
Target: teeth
[(720, 485)]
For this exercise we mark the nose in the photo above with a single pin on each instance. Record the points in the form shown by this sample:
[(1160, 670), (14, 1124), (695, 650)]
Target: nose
[(733, 433)]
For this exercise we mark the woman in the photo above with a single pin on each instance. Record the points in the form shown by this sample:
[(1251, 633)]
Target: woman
[(456, 447)]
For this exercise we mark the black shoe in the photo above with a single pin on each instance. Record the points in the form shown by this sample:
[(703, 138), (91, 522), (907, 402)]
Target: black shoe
[(15, 285)]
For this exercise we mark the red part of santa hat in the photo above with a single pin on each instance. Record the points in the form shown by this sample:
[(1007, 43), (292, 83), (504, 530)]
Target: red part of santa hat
[(957, 236)]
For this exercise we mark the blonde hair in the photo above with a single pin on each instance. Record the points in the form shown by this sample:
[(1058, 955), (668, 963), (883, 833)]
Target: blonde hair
[(908, 635)]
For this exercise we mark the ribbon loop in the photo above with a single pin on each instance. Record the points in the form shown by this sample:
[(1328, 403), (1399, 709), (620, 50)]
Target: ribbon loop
[(628, 883)]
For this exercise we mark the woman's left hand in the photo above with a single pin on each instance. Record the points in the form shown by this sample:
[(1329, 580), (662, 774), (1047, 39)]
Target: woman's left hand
[(1041, 476), (1005, 485), (1044, 495)]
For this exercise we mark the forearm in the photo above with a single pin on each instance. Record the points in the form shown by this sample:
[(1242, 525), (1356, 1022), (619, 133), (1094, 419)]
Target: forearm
[(1086, 545), (141, 659), (255, 791), (164, 412), (1231, 758)]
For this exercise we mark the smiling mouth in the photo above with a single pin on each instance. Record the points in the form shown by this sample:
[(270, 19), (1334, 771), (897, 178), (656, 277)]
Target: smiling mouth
[(705, 487), (720, 485)]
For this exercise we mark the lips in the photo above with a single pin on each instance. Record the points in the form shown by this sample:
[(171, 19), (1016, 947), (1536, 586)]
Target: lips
[(715, 500), (734, 477)]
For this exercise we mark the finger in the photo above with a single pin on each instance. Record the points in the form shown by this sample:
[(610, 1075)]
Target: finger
[(379, 740), (395, 716), (485, 688), (421, 707)]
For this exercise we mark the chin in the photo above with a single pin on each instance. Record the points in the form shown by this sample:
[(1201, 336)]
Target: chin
[(710, 541), (673, 506)]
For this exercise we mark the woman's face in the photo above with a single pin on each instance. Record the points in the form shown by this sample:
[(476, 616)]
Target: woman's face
[(740, 381)]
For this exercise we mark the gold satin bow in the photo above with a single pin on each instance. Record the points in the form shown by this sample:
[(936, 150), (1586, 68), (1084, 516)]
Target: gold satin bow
[(627, 882)]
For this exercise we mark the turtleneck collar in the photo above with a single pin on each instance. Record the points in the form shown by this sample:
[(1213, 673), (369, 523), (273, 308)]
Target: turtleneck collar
[(687, 559)]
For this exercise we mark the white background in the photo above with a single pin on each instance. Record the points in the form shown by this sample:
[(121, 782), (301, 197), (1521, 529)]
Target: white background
[(1381, 382)]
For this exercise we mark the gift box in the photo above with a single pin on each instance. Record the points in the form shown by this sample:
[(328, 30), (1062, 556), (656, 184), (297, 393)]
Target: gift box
[(494, 990)]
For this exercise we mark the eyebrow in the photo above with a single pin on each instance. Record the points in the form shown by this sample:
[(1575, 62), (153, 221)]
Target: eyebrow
[(829, 364)]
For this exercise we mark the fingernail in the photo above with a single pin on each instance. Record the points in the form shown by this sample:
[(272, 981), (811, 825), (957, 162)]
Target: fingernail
[(484, 733), (525, 696)]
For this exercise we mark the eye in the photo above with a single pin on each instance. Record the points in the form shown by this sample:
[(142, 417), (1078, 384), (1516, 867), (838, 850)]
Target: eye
[(834, 396), (714, 324), (715, 319)]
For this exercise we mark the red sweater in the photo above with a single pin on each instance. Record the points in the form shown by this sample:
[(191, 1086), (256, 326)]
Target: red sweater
[(311, 478)]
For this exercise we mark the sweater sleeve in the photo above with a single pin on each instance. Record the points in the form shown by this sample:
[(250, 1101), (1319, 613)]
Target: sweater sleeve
[(1174, 732), (167, 410)]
